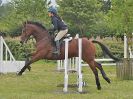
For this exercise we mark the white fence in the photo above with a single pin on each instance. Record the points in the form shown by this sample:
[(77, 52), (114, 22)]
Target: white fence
[(72, 63), (129, 47), (7, 61), (105, 62)]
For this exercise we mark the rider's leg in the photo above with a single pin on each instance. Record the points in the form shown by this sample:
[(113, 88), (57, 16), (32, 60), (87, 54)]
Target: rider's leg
[(57, 38), (61, 34), (57, 49)]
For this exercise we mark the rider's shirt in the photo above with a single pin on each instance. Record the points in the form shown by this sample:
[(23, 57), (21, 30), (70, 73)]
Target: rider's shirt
[(58, 24)]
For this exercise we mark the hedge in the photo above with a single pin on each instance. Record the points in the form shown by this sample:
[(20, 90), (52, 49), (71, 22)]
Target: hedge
[(18, 50)]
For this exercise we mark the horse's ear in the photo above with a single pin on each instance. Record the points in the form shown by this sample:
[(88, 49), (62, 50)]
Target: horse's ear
[(25, 22)]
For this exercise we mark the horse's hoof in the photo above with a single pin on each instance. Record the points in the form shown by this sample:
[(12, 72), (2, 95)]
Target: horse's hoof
[(19, 74), (99, 88), (29, 68), (108, 80)]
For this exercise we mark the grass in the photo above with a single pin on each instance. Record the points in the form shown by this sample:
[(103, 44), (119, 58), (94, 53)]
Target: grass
[(42, 83)]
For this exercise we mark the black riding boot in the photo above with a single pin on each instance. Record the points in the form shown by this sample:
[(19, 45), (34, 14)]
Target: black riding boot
[(57, 50)]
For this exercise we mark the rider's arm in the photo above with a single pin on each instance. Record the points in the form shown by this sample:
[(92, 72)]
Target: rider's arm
[(55, 23)]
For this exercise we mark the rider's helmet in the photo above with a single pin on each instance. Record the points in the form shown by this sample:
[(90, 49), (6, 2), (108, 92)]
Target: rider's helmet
[(52, 10)]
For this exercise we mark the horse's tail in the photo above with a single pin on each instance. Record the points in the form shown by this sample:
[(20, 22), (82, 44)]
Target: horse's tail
[(106, 50)]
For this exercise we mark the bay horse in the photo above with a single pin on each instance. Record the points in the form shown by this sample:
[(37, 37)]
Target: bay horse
[(45, 46)]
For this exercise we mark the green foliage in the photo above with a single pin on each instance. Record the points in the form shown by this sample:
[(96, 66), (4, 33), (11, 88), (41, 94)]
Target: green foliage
[(18, 11), (80, 14), (14, 32), (106, 6), (121, 17), (116, 48), (19, 51)]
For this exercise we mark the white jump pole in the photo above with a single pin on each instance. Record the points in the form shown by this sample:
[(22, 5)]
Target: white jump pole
[(125, 46), (132, 41), (1, 49), (65, 89), (80, 82), (77, 58), (59, 64), (130, 48), (72, 65), (130, 52), (1, 54)]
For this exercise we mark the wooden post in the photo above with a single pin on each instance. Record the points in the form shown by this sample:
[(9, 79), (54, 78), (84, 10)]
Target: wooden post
[(124, 68)]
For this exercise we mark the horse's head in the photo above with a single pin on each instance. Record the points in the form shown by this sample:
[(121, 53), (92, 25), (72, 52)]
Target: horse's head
[(33, 28), (26, 32)]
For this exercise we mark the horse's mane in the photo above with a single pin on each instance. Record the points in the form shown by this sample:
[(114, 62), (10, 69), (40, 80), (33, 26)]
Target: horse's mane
[(35, 23)]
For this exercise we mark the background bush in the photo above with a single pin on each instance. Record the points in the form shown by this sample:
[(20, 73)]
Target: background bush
[(19, 51), (116, 47)]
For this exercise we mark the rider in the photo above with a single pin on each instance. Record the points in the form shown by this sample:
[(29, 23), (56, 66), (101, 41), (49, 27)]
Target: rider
[(59, 25)]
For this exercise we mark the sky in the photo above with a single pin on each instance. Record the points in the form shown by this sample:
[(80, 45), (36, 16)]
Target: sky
[(4, 1), (53, 1)]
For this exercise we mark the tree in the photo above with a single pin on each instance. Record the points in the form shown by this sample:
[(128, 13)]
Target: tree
[(19, 11), (81, 15), (0, 2), (5, 10), (121, 21), (122, 16), (106, 5)]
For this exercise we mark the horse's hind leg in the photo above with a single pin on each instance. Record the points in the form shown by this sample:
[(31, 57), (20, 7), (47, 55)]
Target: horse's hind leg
[(92, 66), (99, 66)]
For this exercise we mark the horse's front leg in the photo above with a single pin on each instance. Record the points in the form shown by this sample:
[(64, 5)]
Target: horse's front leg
[(34, 58), (24, 68), (26, 62), (27, 59)]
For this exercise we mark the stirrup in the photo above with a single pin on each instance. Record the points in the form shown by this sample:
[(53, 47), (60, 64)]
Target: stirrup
[(56, 52)]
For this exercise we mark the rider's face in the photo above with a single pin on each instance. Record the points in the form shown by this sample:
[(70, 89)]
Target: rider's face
[(50, 14)]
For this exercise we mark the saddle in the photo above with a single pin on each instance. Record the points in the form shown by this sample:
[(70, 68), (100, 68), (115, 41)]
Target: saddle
[(57, 45), (66, 36)]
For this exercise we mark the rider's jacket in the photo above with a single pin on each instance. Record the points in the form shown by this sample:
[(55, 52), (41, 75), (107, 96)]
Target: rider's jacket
[(58, 24)]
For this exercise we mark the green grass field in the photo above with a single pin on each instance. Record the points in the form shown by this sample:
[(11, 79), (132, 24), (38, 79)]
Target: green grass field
[(43, 83)]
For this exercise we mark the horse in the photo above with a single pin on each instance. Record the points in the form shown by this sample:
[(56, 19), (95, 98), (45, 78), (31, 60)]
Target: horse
[(45, 46)]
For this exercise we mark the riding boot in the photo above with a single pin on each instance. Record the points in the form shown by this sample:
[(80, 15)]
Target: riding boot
[(57, 50)]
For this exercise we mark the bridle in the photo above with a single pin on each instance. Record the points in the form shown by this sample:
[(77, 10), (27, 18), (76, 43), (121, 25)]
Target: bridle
[(25, 33)]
